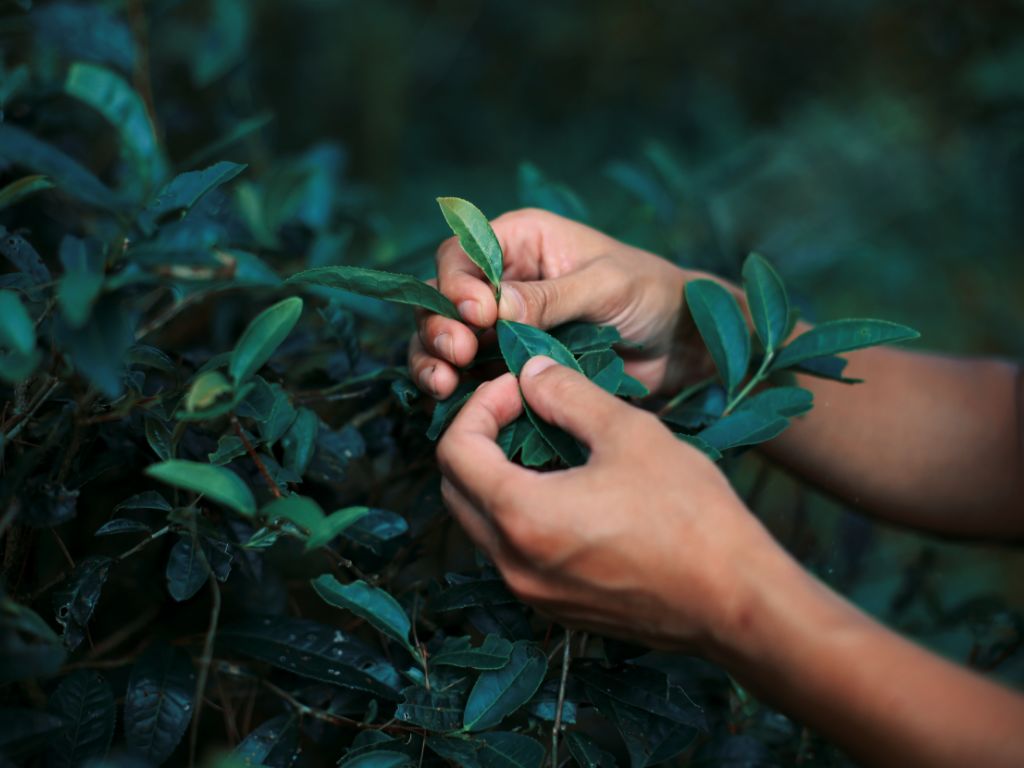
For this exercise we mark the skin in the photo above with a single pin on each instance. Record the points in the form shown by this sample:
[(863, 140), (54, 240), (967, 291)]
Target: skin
[(605, 546)]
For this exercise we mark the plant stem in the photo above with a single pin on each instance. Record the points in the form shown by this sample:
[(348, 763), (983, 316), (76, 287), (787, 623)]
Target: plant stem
[(557, 727), (756, 379), (205, 659), (686, 394), (271, 485)]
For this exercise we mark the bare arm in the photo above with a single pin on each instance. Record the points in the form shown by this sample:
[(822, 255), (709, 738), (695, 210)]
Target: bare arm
[(927, 441)]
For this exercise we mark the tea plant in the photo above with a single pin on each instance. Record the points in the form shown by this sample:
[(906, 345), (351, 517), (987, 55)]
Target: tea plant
[(220, 524)]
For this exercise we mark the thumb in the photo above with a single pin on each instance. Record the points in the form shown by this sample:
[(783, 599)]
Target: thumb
[(568, 399), (547, 303)]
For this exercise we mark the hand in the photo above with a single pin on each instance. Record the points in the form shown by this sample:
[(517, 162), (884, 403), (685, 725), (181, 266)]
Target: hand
[(643, 542), (557, 270)]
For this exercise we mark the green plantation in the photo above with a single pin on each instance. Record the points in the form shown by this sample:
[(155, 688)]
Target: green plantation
[(222, 540)]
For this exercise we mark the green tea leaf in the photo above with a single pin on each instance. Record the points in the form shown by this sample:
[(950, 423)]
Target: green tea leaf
[(217, 483), (701, 445), (838, 336), (493, 653), (460, 752), (184, 190), (23, 149), (829, 367), (519, 342), (75, 601), (85, 703), (335, 524), (743, 428), (581, 337), (586, 752), (207, 388), (82, 280), (721, 325), (313, 651), (498, 693), (630, 387), (187, 570), (437, 711), (262, 337), (29, 648), (17, 331), (298, 442), (111, 95), (18, 190), (472, 593), (779, 401), (272, 742), (375, 605), (379, 758), (122, 525), (158, 703), (768, 301), (475, 236), (560, 441), (388, 286), (509, 750), (536, 191), (604, 368), (447, 409), (298, 510)]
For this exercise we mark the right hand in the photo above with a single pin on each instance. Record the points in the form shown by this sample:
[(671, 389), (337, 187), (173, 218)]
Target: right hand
[(557, 270)]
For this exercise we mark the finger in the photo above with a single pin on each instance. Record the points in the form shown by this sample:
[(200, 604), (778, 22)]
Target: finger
[(461, 280), (580, 295), (566, 398), (468, 454), (430, 373), (446, 338)]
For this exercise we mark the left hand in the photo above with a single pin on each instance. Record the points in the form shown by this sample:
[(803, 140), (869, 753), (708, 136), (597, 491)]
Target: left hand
[(642, 542)]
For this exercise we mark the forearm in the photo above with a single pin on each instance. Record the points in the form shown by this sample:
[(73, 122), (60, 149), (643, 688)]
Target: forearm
[(927, 441), (885, 700)]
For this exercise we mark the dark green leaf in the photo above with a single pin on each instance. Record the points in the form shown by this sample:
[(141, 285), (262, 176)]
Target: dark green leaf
[(25, 732), (17, 331), (158, 702), (380, 758), (630, 387), (544, 705), (122, 525), (604, 368), (723, 328), (76, 600), (826, 368), (229, 448), (535, 191), (475, 236), (743, 428), (434, 710), (18, 190), (645, 689), (217, 483), (85, 703), (468, 594), (110, 95), (263, 336), (375, 605), (767, 300), (23, 149), (401, 289), (274, 742), (509, 750), (586, 753), (493, 653), (374, 530), (82, 280), (282, 415), (838, 336), (16, 367), (560, 441), (501, 692), (313, 651), (584, 337), (701, 445), (160, 439), (28, 647), (19, 251), (187, 570), (99, 348), (458, 751), (185, 190), (519, 342), (145, 500), (299, 440), (779, 401), (446, 410)]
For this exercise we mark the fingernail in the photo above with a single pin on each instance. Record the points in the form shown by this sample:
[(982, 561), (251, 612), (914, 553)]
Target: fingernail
[(445, 346), (512, 306), (536, 364), (470, 310), (427, 378)]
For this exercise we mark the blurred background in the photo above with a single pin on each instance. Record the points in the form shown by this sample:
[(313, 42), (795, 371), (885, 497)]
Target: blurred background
[(873, 151)]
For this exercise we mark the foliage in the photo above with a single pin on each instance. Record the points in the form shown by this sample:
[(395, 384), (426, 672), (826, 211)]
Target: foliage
[(176, 421)]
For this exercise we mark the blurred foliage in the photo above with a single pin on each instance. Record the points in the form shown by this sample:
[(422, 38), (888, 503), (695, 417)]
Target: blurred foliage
[(875, 153)]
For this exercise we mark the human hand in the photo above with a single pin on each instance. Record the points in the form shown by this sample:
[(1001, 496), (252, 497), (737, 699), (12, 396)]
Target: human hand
[(557, 270), (642, 542)]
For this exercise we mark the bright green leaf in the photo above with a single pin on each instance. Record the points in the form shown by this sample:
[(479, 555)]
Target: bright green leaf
[(743, 428), (475, 236), (207, 388), (388, 286), (334, 524), (723, 328), (17, 331), (780, 401), (519, 342), (837, 336), (767, 300), (217, 483), (262, 337)]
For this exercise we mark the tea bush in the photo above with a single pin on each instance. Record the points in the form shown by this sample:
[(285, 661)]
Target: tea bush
[(222, 535)]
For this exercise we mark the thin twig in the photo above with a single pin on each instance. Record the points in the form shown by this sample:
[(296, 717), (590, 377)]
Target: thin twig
[(330, 717), (63, 548), (686, 394), (557, 727), (10, 432), (274, 490), (205, 659), (111, 641)]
